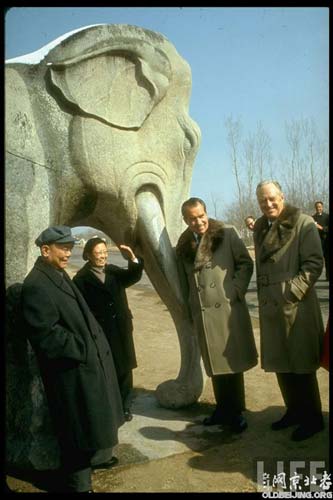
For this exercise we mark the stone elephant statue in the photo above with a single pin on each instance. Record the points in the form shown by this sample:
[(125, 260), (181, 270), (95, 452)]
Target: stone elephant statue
[(98, 133)]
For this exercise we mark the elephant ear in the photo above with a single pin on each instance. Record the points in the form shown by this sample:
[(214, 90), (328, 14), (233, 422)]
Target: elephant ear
[(119, 85)]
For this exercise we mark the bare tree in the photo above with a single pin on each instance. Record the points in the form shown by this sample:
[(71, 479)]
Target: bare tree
[(234, 132), (215, 204), (249, 147), (303, 171), (263, 152), (306, 165), (250, 159)]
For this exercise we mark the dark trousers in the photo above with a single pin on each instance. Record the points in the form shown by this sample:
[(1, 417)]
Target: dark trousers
[(101, 456), (326, 259), (125, 381), (301, 396), (229, 393), (76, 469)]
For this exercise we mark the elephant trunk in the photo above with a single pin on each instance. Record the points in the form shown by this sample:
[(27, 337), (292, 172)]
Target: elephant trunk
[(161, 267)]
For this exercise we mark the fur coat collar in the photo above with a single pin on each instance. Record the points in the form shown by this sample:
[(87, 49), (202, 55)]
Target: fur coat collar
[(271, 241), (188, 249)]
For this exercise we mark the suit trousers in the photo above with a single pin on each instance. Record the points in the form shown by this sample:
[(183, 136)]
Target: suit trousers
[(125, 381), (326, 258), (76, 469), (101, 456), (301, 395), (229, 393)]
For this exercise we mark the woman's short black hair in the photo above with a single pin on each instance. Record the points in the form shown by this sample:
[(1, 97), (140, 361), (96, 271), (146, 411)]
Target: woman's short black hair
[(90, 245)]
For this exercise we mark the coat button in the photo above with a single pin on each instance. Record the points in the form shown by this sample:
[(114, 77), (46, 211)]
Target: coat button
[(217, 304), (199, 289), (113, 315), (202, 309), (212, 285)]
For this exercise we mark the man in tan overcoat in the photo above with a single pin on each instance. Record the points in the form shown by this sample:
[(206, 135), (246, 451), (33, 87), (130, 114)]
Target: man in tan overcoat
[(289, 260), (217, 268)]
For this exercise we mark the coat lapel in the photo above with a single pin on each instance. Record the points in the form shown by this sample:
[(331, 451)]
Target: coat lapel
[(84, 307), (273, 240), (92, 279), (110, 283), (200, 255), (59, 278), (66, 285)]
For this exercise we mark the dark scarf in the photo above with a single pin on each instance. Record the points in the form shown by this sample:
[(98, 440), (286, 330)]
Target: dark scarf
[(188, 249), (271, 241)]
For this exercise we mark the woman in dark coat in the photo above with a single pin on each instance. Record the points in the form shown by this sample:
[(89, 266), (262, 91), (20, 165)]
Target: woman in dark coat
[(103, 287)]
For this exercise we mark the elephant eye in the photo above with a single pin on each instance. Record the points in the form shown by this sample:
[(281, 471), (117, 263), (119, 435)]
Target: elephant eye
[(187, 144), (189, 141), (191, 134)]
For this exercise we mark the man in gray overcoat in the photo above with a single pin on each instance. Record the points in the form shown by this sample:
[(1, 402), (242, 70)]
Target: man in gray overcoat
[(75, 361), (217, 268), (289, 260)]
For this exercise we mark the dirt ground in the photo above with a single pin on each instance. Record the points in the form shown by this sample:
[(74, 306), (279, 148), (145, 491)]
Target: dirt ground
[(229, 463)]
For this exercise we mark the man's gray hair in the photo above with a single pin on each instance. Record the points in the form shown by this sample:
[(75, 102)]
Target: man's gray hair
[(263, 183)]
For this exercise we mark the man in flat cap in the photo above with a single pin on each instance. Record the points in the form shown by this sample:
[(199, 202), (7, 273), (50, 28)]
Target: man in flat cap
[(75, 361)]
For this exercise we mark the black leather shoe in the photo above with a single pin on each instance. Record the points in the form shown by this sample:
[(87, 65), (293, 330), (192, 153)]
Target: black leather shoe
[(238, 424), (215, 418), (106, 465), (128, 415), (305, 431), (89, 491), (287, 420)]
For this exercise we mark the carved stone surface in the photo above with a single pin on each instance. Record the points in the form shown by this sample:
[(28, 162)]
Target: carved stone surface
[(98, 133)]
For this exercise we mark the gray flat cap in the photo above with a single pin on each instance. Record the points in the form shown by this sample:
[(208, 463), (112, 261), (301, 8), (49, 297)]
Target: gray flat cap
[(55, 234)]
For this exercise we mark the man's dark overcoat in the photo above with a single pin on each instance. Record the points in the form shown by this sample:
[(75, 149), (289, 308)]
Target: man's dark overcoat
[(108, 302), (75, 360), (324, 220)]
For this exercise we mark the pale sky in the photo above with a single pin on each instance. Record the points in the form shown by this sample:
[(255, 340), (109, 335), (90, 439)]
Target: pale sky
[(259, 64)]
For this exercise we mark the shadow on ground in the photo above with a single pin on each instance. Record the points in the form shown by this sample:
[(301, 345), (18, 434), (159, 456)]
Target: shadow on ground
[(213, 450), (166, 450)]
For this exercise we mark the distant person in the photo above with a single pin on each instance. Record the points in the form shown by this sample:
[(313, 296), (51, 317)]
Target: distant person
[(249, 222), (322, 222), (75, 361), (217, 269), (104, 288), (289, 261)]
